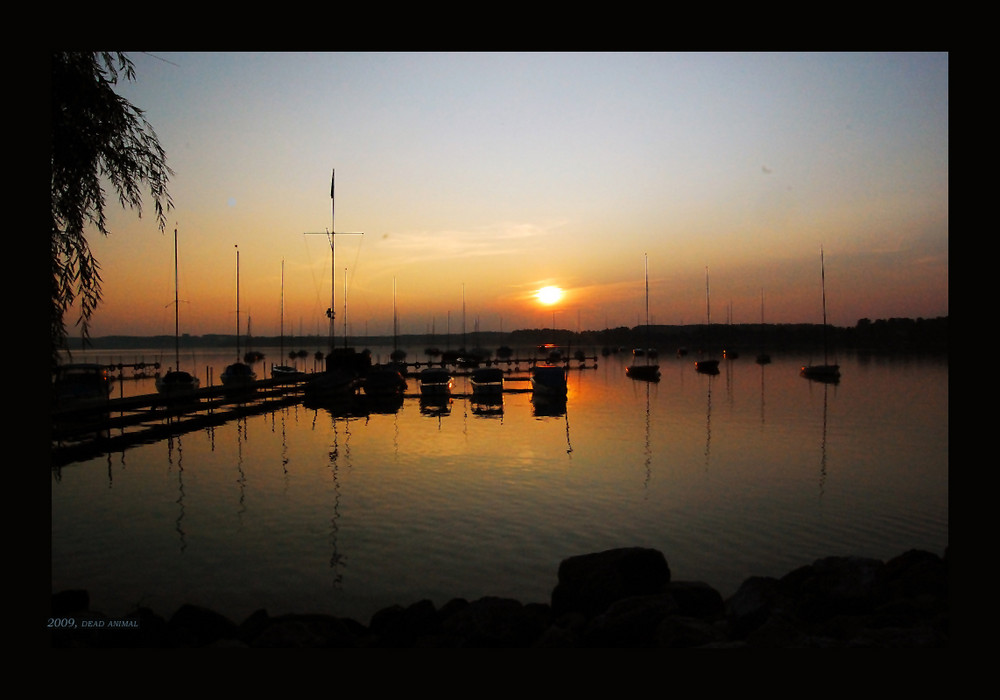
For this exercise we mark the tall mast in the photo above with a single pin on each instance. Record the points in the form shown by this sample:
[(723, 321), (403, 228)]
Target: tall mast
[(237, 303), (708, 298), (282, 308), (822, 276), (177, 329), (331, 234), (645, 258)]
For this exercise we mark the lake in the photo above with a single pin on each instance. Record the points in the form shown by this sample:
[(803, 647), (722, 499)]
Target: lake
[(754, 471)]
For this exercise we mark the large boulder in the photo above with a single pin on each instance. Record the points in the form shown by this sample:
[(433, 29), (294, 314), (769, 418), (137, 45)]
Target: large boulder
[(590, 583)]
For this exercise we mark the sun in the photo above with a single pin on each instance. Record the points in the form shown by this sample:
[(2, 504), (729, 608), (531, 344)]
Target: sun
[(549, 295)]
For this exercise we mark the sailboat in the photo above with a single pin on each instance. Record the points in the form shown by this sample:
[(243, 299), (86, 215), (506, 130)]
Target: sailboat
[(238, 375), (825, 372), (176, 381), (707, 366), (762, 357), (283, 370), (645, 371), (344, 366)]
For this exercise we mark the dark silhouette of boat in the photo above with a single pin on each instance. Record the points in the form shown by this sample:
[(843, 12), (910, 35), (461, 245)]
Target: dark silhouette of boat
[(238, 375), (176, 381), (826, 372), (548, 381), (487, 381), (647, 371)]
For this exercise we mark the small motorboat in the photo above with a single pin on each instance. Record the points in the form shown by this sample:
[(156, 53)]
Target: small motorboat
[(384, 380), (487, 380), (821, 373), (707, 366), (436, 381), (81, 383), (548, 380)]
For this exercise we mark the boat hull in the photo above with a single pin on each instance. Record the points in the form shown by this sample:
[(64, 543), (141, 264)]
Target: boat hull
[(238, 375), (548, 380), (384, 381), (176, 383), (487, 381), (436, 382), (707, 366), (821, 373), (644, 372), (330, 384), (81, 383)]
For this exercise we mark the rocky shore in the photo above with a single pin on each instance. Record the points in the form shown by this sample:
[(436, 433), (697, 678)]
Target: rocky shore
[(620, 598)]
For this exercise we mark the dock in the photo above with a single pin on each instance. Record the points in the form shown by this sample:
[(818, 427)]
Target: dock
[(103, 426), (116, 423)]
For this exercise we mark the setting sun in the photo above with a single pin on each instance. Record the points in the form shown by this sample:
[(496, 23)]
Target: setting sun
[(549, 295)]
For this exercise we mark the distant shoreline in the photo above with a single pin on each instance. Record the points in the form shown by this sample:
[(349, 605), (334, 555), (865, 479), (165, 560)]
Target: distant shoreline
[(883, 334)]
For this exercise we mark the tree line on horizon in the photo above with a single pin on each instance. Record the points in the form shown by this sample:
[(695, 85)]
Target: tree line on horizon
[(888, 334)]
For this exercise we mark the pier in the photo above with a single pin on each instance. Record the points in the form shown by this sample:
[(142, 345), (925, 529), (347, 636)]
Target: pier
[(116, 423)]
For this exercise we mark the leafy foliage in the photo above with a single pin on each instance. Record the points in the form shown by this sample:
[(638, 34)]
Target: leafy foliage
[(98, 138)]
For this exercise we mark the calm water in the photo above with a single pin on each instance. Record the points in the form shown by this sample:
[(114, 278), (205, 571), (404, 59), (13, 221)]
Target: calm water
[(754, 471)]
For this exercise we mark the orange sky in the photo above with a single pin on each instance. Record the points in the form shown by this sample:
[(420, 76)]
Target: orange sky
[(489, 176)]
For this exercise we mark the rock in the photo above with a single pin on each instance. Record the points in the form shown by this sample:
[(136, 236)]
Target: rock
[(496, 622), (589, 583), (308, 632), (195, 626), (620, 598)]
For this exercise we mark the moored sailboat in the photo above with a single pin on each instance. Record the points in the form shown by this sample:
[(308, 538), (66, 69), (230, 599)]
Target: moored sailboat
[(286, 371), (826, 372), (238, 375), (648, 371), (176, 381), (707, 366), (344, 366)]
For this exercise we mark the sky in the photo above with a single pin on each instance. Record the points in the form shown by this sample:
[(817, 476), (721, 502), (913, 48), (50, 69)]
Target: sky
[(467, 182)]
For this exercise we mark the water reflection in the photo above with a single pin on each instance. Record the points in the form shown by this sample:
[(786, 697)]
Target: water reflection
[(822, 443), (179, 522), (762, 400), (241, 427), (435, 406), (337, 561), (708, 418), (324, 502), (486, 405), (647, 448)]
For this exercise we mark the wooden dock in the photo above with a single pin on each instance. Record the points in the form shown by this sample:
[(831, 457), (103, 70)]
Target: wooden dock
[(116, 423), (104, 426)]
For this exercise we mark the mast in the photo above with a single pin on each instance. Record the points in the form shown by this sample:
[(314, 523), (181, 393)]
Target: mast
[(237, 303), (177, 329), (645, 258), (645, 271), (708, 298), (822, 276), (331, 234), (282, 309)]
